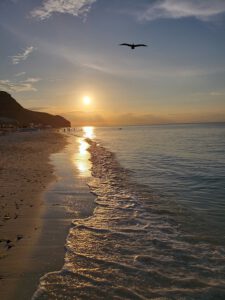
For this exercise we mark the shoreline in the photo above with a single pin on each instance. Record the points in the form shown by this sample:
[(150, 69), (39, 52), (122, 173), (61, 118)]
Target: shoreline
[(69, 198), (25, 174)]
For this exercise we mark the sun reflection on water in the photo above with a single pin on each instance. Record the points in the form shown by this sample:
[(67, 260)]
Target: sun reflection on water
[(83, 147), (88, 132), (81, 158)]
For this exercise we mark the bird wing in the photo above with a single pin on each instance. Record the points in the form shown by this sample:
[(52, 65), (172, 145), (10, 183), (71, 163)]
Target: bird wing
[(140, 45), (125, 44)]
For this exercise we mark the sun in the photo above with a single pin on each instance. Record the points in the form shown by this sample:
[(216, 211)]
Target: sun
[(86, 100)]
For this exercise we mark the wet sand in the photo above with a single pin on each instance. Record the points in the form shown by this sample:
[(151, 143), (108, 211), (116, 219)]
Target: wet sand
[(25, 172)]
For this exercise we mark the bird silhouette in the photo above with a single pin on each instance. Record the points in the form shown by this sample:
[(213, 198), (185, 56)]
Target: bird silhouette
[(133, 46)]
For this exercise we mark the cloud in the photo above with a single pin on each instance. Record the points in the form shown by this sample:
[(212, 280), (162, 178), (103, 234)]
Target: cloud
[(156, 70), (138, 119), (73, 7), (198, 117), (81, 118), (19, 86), (39, 108), (20, 74), (97, 67), (217, 93), (203, 10), (16, 59), (32, 80)]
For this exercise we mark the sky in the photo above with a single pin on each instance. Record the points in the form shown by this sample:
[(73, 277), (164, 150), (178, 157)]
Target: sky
[(55, 52)]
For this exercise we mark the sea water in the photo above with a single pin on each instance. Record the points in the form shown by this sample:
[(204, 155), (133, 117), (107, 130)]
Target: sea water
[(157, 231)]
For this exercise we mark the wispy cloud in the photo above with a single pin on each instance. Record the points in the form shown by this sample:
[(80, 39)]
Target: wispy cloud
[(19, 86), (32, 80), (20, 74), (16, 59), (98, 67), (156, 70), (73, 7), (39, 108), (203, 10), (217, 93), (80, 118), (138, 119)]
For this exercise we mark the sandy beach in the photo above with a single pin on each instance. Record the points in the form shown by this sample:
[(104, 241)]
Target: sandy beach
[(25, 172)]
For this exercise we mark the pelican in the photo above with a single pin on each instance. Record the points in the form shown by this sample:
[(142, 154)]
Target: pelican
[(133, 46)]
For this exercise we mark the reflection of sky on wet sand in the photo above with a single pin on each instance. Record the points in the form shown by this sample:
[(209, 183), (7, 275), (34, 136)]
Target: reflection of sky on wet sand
[(81, 159)]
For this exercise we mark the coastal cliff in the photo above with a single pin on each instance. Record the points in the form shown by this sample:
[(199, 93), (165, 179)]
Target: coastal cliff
[(10, 109)]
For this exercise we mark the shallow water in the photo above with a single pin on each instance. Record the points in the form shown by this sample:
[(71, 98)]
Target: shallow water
[(139, 244), (184, 164)]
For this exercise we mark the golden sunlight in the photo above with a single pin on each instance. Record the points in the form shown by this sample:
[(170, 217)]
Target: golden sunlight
[(88, 132), (86, 100), (81, 159)]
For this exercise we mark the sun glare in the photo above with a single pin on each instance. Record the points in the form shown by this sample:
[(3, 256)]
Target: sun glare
[(88, 132), (81, 159), (87, 100)]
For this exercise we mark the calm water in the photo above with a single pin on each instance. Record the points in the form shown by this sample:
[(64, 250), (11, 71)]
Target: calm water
[(181, 163), (157, 231)]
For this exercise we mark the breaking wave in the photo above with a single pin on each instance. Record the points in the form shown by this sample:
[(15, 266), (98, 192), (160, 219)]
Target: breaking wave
[(132, 247)]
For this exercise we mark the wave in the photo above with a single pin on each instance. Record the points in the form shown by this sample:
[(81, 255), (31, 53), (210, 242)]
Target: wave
[(132, 247)]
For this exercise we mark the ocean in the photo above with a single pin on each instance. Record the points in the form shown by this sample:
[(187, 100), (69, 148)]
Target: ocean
[(158, 227)]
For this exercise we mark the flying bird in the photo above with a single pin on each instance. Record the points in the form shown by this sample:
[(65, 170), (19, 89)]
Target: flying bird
[(133, 46)]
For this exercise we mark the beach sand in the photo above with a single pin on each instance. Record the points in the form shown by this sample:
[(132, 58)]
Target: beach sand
[(25, 172)]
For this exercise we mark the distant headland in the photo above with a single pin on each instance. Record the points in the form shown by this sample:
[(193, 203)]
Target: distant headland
[(13, 114)]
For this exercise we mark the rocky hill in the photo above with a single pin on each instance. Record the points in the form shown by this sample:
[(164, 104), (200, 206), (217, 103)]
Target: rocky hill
[(11, 109)]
